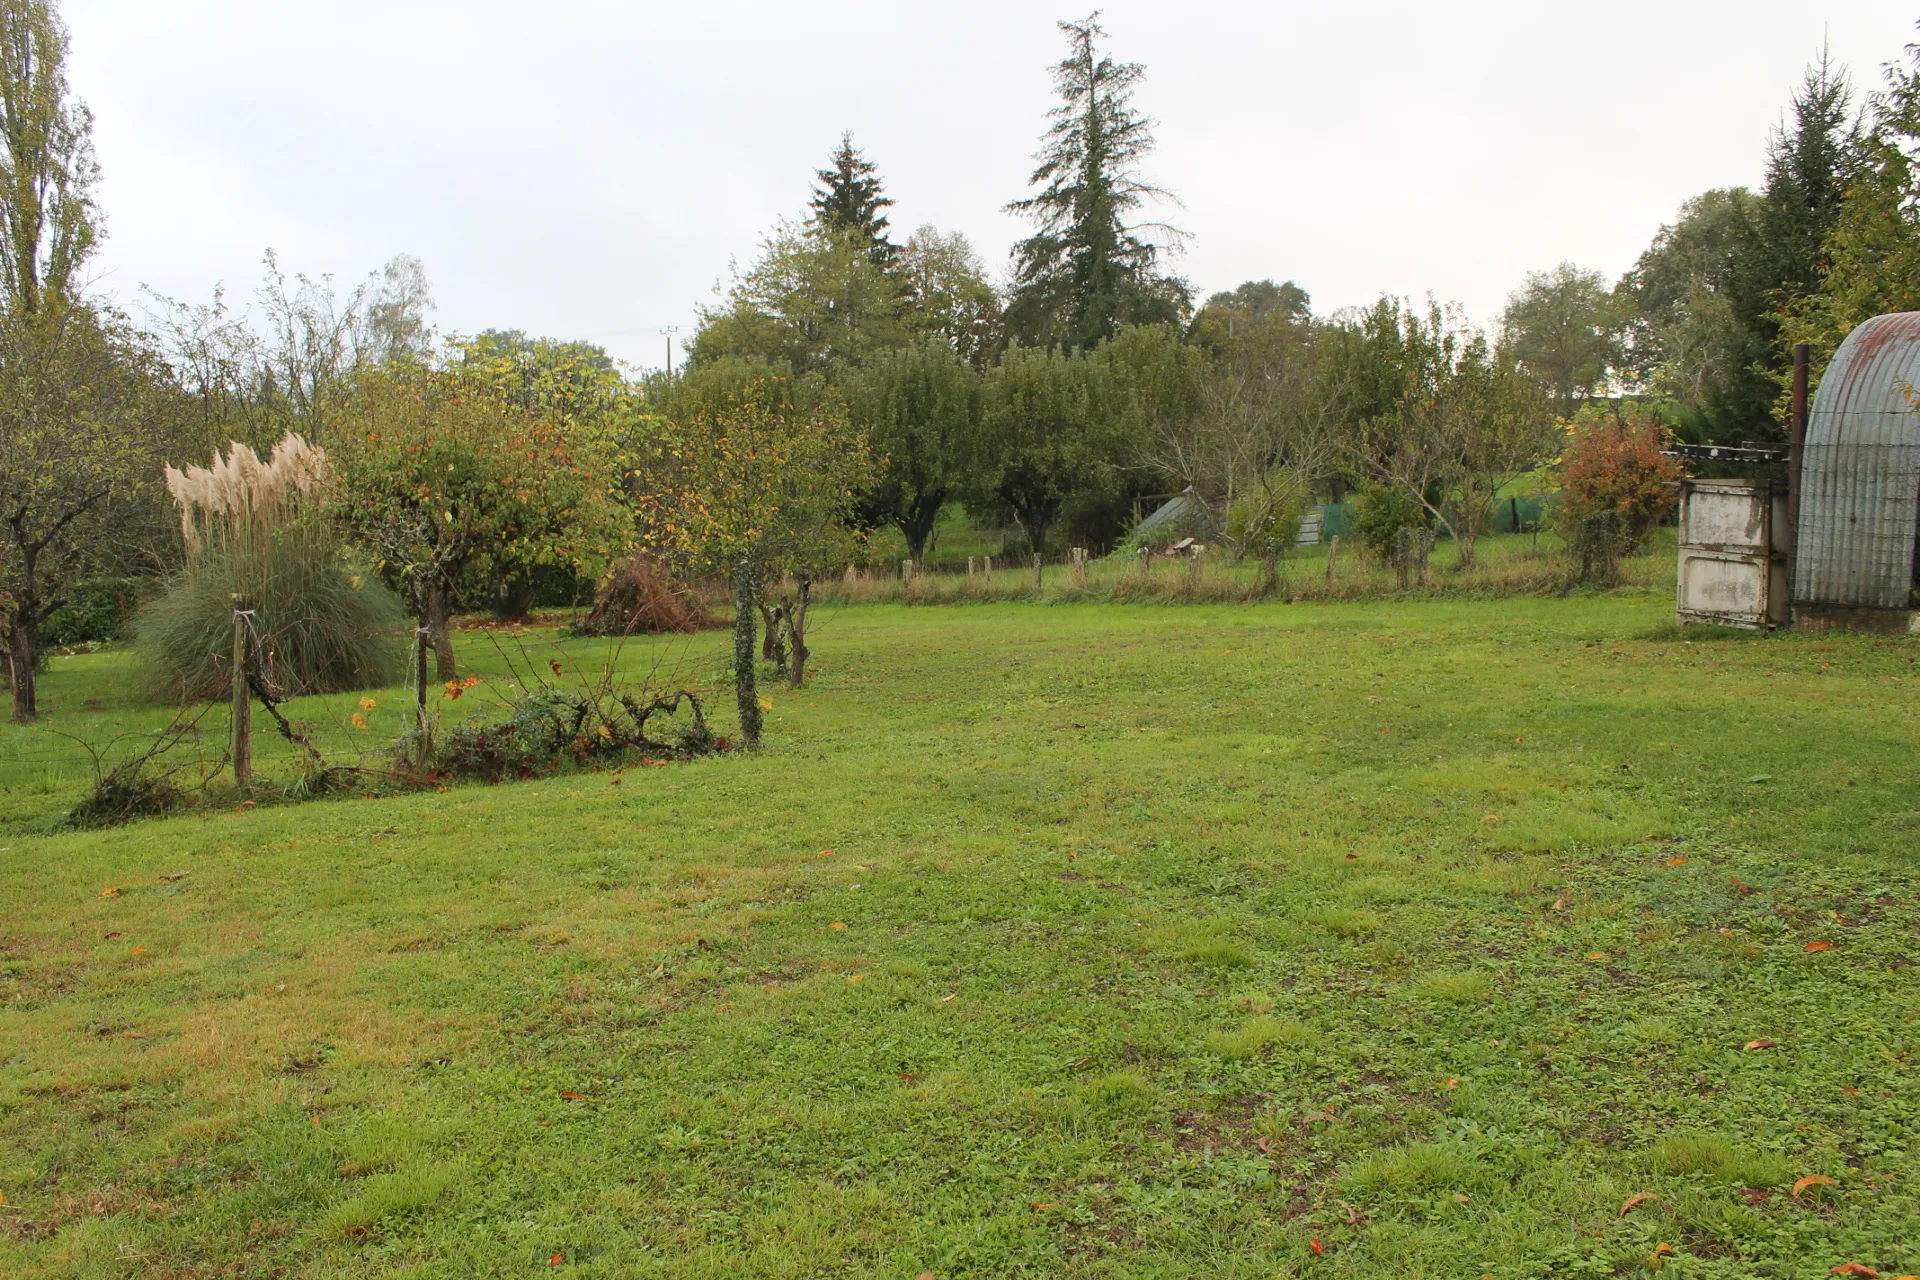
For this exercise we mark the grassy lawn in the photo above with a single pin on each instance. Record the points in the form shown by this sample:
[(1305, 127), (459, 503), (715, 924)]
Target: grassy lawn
[(1335, 940)]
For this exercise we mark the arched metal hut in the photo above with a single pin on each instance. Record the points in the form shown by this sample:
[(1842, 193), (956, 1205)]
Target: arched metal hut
[(1854, 552)]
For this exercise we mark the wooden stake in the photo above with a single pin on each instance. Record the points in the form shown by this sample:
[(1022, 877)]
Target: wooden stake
[(242, 704), (969, 573), (1036, 571), (989, 582), (1333, 554)]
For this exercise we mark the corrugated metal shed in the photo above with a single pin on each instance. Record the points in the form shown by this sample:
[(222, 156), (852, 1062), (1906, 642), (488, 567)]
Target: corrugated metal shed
[(1860, 472)]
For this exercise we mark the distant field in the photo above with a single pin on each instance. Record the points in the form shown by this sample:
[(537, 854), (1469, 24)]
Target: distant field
[(1343, 940)]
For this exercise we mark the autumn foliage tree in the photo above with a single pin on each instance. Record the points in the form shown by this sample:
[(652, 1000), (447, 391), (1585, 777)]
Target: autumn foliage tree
[(758, 487), (445, 481), (1613, 463)]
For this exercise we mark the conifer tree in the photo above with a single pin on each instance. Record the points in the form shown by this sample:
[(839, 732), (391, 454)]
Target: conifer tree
[(1087, 271), (849, 200)]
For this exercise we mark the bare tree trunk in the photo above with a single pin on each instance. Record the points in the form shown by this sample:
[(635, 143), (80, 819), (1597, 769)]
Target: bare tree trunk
[(746, 695), (797, 628), (21, 656), (439, 609)]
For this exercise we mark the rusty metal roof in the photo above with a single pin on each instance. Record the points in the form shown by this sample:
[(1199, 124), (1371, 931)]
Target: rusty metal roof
[(1860, 473)]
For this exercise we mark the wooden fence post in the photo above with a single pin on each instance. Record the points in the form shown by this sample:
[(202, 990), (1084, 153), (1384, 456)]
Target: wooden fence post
[(906, 574), (420, 686), (1196, 565), (1333, 554), (1036, 571), (242, 703), (969, 573), (989, 582)]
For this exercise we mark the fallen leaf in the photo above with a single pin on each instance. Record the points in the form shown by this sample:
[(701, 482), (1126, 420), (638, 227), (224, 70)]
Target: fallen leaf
[(1044, 1205), (1674, 862), (1453, 1082), (1855, 1269), (1559, 904), (1637, 1198), (1492, 817), (926, 1275), (1463, 1197), (316, 1119), (1317, 1247), (571, 1096), (944, 999), (1818, 944), (838, 924), (1353, 857), (138, 951), (111, 891), (1741, 889), (855, 977), (1725, 932), (1596, 955), (1849, 1090), (1661, 1250), (1756, 1196), (557, 1258), (1762, 1043), (1811, 1180), (825, 853)]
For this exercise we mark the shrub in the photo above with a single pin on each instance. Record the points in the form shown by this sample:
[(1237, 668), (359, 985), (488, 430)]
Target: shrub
[(552, 726), (1614, 465), (1268, 520), (642, 597), (96, 610), (324, 626), (1380, 512)]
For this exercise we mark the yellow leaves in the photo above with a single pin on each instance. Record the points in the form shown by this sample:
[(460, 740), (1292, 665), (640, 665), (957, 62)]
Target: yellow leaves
[(838, 924), (1634, 1201), (1811, 1180), (1819, 944), (1675, 862), (1762, 1043), (766, 705), (367, 704), (1855, 1269), (111, 891), (357, 720)]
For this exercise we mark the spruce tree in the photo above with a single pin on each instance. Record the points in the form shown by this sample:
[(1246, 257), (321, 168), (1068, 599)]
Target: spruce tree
[(849, 200), (1087, 270)]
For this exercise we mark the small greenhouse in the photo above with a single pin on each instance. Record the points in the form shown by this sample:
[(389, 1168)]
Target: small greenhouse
[(1855, 561)]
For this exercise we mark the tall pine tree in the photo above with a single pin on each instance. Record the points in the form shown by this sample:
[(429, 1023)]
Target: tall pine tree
[(849, 200), (1087, 270)]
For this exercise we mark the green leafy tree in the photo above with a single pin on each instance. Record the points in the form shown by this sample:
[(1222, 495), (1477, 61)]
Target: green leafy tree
[(82, 411), (78, 395), (813, 300), (1871, 256), (1087, 270), (1257, 311), (1689, 309), (1560, 326), (919, 409), (850, 200), (445, 482), (1048, 439), (947, 293)]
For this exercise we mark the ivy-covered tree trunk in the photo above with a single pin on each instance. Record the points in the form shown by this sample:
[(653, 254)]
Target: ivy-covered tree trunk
[(745, 691), (22, 656), (797, 628), (439, 631)]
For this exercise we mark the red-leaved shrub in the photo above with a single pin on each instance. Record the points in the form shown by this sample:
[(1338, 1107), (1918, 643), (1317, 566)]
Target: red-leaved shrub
[(1615, 465)]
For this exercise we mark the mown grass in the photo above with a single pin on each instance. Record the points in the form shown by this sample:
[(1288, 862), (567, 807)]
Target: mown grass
[(1085, 941)]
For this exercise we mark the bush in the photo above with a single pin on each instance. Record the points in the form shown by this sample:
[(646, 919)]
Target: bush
[(96, 610), (1614, 464), (1380, 512), (324, 625), (552, 727), (642, 597), (1259, 526)]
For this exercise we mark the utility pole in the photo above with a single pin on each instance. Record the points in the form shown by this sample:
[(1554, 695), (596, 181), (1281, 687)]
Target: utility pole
[(668, 331)]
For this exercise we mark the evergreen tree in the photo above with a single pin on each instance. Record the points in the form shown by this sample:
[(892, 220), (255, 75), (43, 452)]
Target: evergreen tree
[(1087, 271), (849, 200), (1807, 177)]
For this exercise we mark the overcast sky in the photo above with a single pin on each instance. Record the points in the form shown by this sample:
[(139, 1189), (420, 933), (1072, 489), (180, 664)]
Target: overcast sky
[(588, 168)]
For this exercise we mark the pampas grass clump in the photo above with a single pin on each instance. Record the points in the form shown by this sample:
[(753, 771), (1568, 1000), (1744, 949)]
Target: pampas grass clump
[(323, 625), (252, 530)]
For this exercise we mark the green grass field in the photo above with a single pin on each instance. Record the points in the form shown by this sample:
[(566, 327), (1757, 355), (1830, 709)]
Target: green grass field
[(1337, 940)]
